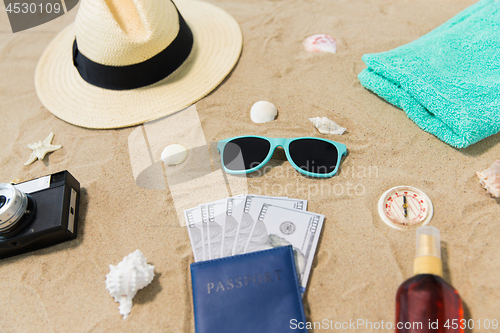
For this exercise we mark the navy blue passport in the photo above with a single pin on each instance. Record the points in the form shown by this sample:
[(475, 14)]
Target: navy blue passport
[(251, 292)]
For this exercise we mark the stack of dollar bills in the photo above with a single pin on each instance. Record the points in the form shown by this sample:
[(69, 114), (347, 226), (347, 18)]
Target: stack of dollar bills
[(249, 223)]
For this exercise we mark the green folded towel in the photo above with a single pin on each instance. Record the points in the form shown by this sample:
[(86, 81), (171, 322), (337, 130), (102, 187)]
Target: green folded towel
[(448, 81)]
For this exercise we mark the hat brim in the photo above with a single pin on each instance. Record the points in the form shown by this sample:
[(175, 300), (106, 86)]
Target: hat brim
[(216, 50)]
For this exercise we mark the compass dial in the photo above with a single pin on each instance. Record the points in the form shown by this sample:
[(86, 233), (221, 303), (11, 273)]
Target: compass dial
[(405, 206)]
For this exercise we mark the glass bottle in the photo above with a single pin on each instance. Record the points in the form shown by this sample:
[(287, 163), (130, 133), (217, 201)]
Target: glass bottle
[(426, 302)]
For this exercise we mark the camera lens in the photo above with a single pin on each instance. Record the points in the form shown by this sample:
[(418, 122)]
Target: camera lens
[(13, 204)]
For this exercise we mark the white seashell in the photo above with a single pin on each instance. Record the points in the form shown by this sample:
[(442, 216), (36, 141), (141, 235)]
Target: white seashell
[(327, 126), (174, 154), (490, 179), (320, 43), (125, 279), (263, 112)]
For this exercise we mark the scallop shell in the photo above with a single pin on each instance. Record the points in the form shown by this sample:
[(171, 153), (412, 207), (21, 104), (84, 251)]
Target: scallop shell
[(320, 43), (263, 112), (327, 126), (174, 154), (125, 279), (490, 179)]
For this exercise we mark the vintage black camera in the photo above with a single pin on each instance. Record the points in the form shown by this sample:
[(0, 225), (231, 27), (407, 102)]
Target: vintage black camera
[(38, 213)]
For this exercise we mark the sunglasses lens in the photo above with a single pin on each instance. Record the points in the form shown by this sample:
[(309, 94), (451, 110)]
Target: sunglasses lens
[(245, 153), (315, 156)]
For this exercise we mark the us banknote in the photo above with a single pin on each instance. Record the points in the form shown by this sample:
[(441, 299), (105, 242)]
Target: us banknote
[(285, 226), (196, 232), (256, 231), (216, 212)]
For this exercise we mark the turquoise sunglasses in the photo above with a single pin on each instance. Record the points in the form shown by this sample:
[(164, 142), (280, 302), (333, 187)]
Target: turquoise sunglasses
[(314, 157)]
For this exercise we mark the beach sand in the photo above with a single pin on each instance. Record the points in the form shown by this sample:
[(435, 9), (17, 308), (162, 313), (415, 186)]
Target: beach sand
[(359, 263)]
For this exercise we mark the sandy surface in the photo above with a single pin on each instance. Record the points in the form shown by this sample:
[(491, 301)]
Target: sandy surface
[(360, 261)]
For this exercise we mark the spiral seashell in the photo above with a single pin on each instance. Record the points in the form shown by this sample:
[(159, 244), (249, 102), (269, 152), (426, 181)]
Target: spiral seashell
[(263, 112), (125, 279), (490, 179)]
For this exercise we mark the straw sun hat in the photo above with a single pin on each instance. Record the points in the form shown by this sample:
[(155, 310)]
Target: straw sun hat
[(125, 62)]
